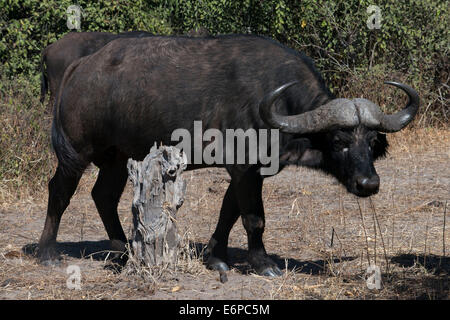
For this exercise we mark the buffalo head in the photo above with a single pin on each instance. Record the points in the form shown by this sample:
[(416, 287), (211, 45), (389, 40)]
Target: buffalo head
[(342, 137)]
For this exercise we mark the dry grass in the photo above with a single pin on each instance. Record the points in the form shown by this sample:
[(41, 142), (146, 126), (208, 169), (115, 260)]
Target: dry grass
[(314, 231), (434, 97), (314, 228), (426, 140), (26, 160), (188, 260)]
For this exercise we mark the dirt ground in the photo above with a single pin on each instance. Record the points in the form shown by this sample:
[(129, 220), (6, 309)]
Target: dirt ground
[(321, 236)]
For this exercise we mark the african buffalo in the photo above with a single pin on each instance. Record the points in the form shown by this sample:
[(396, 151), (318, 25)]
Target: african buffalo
[(116, 103), (57, 56)]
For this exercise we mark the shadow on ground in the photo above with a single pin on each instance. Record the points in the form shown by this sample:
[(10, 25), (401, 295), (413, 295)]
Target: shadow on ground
[(97, 250), (101, 251), (238, 260), (423, 277), (432, 263)]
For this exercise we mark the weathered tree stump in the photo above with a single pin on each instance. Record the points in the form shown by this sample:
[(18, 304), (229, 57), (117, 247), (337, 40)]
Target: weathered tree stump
[(158, 193)]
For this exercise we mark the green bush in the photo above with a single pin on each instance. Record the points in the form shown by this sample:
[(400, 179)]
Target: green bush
[(411, 46), (26, 160), (28, 26), (413, 39)]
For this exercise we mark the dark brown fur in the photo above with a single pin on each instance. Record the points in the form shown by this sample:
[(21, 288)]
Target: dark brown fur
[(57, 56), (119, 101)]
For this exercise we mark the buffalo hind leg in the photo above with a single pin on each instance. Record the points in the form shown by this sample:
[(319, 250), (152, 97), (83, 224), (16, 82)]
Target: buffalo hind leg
[(106, 193), (60, 188), (249, 197), (217, 246)]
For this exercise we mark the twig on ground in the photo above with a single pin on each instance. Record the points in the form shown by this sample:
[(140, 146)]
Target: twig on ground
[(365, 232), (381, 234), (443, 235)]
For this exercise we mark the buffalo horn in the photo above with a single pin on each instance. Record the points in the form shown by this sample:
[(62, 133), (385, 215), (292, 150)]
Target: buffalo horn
[(337, 113), (373, 117)]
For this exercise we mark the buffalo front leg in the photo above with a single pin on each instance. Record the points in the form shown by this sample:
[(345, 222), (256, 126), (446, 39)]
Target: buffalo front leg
[(217, 246), (61, 188), (106, 193), (248, 193)]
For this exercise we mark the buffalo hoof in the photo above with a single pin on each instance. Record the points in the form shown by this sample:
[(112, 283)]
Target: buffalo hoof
[(272, 271), (263, 265), (118, 257), (115, 267), (217, 264), (117, 262), (48, 256), (118, 245), (214, 262), (50, 262)]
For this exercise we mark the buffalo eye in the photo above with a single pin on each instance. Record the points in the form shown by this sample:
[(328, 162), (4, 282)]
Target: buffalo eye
[(372, 141), (340, 145)]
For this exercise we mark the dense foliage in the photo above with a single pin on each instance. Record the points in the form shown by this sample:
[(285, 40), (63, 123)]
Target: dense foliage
[(411, 45), (413, 37)]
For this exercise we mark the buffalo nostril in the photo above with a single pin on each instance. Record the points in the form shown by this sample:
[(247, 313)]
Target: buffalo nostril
[(368, 184), (362, 181)]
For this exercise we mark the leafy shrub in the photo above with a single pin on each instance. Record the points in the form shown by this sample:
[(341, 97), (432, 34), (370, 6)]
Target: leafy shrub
[(26, 161), (411, 46), (28, 26)]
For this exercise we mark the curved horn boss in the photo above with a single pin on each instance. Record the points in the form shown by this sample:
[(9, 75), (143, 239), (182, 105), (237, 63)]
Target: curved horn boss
[(339, 113), (374, 118)]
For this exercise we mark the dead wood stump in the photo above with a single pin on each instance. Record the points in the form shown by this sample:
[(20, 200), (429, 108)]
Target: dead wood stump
[(158, 193)]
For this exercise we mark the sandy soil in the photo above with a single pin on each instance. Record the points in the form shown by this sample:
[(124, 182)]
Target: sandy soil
[(315, 231)]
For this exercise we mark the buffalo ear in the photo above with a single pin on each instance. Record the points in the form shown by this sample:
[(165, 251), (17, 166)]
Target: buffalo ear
[(299, 152), (380, 146), (311, 158)]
